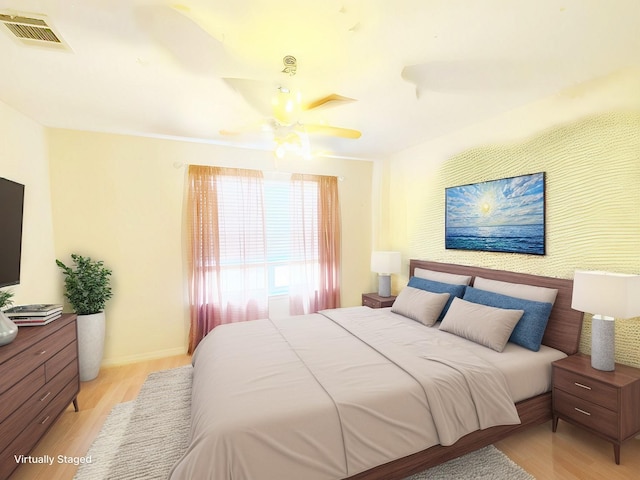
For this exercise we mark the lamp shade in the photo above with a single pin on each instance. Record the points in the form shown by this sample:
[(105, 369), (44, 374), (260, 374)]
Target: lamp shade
[(385, 262), (614, 295)]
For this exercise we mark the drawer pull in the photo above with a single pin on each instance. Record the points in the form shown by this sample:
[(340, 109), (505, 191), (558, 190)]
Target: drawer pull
[(582, 386), (45, 397), (46, 419), (581, 411), (41, 352)]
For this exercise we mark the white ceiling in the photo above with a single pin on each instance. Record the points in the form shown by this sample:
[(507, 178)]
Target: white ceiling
[(155, 68)]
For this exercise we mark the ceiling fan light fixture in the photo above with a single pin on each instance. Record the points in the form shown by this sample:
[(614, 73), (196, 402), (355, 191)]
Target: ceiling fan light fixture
[(289, 107), (295, 142), (280, 151), (284, 107)]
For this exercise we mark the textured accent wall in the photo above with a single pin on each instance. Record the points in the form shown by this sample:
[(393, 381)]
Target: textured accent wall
[(592, 170)]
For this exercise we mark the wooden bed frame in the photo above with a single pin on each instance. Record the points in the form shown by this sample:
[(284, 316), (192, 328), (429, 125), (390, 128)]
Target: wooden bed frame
[(562, 333)]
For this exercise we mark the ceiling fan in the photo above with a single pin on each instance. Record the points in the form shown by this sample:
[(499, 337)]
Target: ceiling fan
[(284, 107), (286, 114), (480, 75)]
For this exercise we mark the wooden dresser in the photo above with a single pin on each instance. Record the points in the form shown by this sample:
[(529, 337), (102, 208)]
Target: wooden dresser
[(38, 380)]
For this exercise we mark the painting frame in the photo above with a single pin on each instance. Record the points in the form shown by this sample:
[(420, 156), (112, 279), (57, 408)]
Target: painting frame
[(507, 215)]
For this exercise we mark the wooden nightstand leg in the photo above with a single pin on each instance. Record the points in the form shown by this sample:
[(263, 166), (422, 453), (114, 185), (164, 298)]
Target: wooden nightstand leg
[(616, 452), (555, 423), (75, 404)]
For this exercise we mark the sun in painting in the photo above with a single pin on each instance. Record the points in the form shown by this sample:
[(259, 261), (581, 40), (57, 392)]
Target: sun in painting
[(486, 204)]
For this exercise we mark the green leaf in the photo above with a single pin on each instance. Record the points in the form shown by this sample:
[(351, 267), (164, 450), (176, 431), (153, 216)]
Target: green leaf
[(87, 284)]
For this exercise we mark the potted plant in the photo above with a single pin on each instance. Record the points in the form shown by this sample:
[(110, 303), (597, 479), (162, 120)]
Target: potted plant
[(87, 287), (8, 329), (6, 298)]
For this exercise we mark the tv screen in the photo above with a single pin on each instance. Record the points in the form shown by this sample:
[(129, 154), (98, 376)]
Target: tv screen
[(11, 205)]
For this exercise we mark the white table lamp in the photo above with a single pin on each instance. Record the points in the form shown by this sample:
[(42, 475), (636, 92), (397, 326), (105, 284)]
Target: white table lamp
[(384, 264), (607, 296)]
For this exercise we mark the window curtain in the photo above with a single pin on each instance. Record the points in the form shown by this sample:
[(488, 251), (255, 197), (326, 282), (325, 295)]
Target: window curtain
[(314, 267), (227, 248)]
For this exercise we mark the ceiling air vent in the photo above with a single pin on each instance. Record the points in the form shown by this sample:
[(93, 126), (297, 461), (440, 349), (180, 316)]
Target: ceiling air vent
[(31, 30)]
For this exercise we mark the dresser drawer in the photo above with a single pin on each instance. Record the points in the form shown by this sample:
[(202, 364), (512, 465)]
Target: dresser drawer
[(36, 403), (590, 415), (26, 361), (35, 355), (60, 360), (20, 393), (36, 428), (52, 388), (586, 388)]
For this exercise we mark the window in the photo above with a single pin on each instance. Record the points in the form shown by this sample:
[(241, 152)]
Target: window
[(286, 228), (251, 238)]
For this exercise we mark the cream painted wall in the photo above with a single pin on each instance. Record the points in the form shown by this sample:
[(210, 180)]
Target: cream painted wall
[(121, 199), (587, 140), (24, 159)]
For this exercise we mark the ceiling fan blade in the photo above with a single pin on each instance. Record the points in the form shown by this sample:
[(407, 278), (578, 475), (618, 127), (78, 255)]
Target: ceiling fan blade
[(257, 94), (176, 33), (261, 127), (464, 76), (331, 100), (333, 131), (269, 99)]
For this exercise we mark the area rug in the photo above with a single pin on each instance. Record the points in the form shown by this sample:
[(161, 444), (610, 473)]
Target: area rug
[(142, 439)]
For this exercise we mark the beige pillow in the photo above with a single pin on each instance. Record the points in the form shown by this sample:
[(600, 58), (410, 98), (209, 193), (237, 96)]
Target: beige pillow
[(488, 326), (518, 290), (420, 305), (442, 276)]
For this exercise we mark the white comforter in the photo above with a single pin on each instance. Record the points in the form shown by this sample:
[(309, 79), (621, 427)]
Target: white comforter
[(329, 395)]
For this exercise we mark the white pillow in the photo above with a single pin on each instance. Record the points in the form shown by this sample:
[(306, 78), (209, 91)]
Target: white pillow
[(488, 326), (442, 276), (518, 290), (420, 305)]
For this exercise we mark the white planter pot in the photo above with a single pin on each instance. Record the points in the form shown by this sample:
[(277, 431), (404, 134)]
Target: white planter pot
[(90, 344)]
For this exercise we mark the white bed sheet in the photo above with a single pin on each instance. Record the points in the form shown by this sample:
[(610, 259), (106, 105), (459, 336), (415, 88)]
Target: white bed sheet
[(320, 399), (527, 373)]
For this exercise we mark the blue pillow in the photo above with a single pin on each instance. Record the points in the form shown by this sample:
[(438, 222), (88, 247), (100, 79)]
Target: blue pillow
[(438, 287), (530, 329)]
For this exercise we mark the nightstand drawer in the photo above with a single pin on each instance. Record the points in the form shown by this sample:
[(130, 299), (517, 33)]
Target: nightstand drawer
[(586, 388), (585, 413), (373, 300), (370, 302)]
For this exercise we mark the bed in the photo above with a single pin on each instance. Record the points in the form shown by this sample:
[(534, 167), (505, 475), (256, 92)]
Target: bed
[(358, 393)]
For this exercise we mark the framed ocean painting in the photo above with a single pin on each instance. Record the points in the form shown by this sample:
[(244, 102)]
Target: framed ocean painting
[(506, 215)]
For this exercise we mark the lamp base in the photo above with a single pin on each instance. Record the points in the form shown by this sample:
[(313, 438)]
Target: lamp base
[(603, 342), (384, 285)]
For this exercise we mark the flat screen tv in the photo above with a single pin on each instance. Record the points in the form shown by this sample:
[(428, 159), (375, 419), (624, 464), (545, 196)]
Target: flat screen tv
[(11, 207)]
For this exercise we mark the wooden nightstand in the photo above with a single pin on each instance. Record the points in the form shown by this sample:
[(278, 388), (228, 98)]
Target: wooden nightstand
[(604, 403), (374, 300)]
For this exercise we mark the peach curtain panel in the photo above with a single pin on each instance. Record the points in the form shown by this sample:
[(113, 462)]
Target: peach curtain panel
[(314, 267), (229, 269), (227, 248)]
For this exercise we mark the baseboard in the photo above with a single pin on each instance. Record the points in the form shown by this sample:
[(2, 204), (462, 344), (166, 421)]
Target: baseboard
[(170, 352)]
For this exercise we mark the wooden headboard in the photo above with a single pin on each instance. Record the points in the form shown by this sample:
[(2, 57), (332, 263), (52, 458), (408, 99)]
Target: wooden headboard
[(565, 324)]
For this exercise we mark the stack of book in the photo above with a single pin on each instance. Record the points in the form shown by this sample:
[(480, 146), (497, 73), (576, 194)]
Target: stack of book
[(33, 315)]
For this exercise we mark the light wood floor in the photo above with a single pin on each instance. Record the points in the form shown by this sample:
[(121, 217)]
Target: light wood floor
[(568, 454)]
